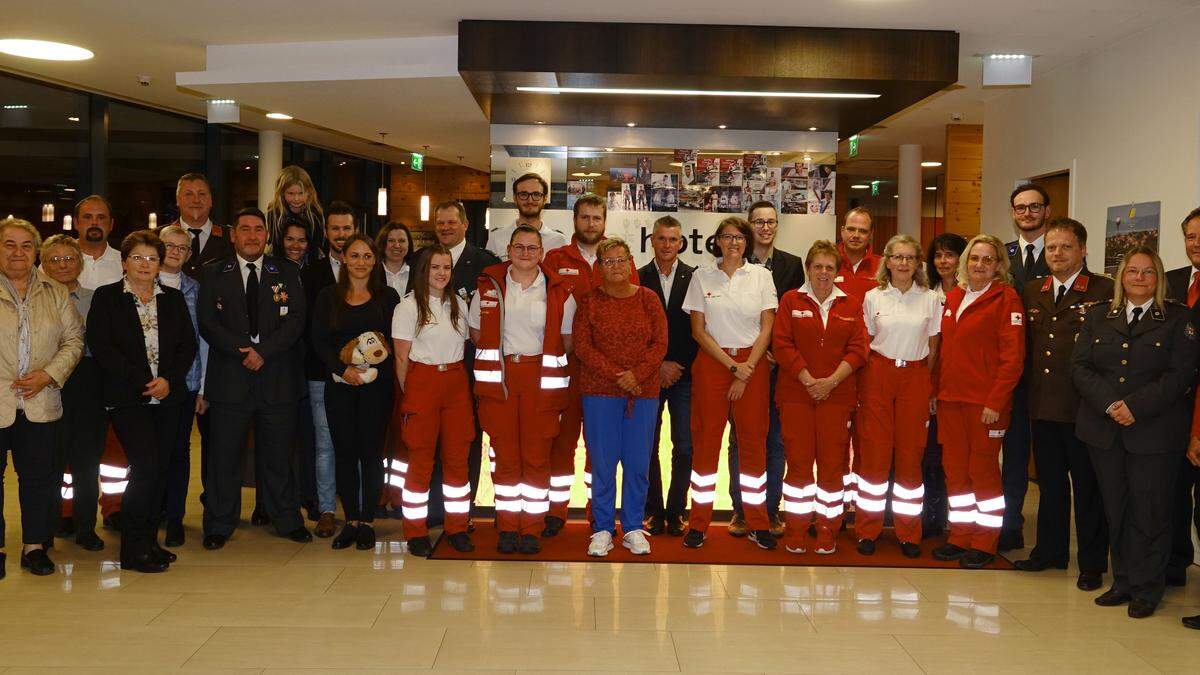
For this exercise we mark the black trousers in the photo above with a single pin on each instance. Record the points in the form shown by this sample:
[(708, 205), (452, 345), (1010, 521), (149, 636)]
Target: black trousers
[(1015, 466), (305, 459), (30, 444), (358, 419), (273, 431), (1185, 515), (179, 462), (149, 434), (936, 508), (678, 399), (1065, 475), (79, 443), (1137, 501)]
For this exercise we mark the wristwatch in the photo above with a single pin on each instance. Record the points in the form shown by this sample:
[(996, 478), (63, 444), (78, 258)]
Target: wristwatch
[(733, 368)]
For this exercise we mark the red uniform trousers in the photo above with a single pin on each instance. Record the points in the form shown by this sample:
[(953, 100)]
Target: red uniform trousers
[(894, 423), (521, 429), (564, 446), (971, 458), (814, 432), (393, 457), (437, 407), (710, 412)]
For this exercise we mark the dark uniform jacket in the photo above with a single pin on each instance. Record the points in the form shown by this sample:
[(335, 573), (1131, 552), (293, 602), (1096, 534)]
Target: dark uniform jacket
[(1151, 367), (681, 346), (1016, 264), (216, 248), (1050, 332), (221, 310)]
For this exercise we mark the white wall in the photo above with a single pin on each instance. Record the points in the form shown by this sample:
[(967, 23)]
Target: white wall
[(1126, 122)]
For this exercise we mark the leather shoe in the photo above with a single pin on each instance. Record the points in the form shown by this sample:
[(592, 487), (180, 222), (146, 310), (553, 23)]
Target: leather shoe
[(910, 550), (461, 542), (528, 544), (300, 535), (948, 552), (66, 528), (175, 536), (1037, 565), (1010, 541), (1089, 581), (676, 526), (37, 562), (654, 525), (976, 559), (325, 525), (1111, 598), (146, 563), (420, 547), (778, 525), (259, 516), (1192, 622), (737, 525), (507, 543), (866, 547), (113, 521), (4, 559), (1140, 609), (365, 541), (346, 537), (554, 525), (164, 555), (88, 541), (213, 542)]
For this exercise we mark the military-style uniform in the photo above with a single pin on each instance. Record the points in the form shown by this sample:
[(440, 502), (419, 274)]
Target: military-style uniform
[(1149, 365), (1064, 469)]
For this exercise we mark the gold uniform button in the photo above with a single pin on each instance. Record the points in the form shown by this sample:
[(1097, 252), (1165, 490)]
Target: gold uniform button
[(1124, 345), (1047, 370), (1120, 379), (1124, 362)]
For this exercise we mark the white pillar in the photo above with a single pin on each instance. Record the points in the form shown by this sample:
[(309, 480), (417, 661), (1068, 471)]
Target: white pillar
[(908, 211), (270, 163)]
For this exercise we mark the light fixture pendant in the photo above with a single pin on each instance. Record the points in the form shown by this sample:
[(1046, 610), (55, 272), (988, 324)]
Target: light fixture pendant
[(381, 197), (425, 190)]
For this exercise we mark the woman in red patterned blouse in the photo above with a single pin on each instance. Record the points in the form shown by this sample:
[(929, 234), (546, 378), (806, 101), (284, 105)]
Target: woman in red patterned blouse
[(621, 339)]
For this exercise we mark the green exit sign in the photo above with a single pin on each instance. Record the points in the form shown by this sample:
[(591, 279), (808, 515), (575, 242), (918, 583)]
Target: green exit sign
[(854, 145), (418, 162), (874, 188)]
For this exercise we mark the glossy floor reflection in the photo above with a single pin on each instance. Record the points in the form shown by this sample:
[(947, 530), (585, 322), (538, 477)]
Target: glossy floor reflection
[(264, 604)]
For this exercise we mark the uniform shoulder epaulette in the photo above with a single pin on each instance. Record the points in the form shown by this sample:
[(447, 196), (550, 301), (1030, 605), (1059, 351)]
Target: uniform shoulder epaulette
[(217, 230), (1173, 301)]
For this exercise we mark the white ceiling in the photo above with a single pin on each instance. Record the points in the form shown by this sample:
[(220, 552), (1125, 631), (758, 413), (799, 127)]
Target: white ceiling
[(160, 38)]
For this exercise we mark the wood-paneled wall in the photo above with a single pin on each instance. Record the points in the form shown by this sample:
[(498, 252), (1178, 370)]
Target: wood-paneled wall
[(444, 182), (964, 178)]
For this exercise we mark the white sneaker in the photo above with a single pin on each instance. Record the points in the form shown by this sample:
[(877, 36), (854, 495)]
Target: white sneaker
[(601, 544), (636, 542), (827, 551), (798, 549)]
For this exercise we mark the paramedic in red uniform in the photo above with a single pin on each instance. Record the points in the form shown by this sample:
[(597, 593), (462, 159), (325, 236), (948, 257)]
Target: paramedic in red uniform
[(520, 323), (982, 356), (820, 343), (732, 306)]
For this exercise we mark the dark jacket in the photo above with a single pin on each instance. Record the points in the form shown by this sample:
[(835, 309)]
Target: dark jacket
[(1150, 367), (281, 322), (118, 344), (317, 275), (1178, 282), (1050, 332), (787, 270), (1016, 264), (681, 346), (216, 248)]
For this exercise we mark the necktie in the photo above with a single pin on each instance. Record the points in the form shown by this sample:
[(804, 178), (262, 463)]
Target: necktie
[(195, 260), (1062, 290), (1030, 261), (1194, 289), (252, 300), (1137, 316)]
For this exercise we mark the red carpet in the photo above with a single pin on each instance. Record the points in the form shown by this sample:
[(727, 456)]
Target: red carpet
[(720, 549)]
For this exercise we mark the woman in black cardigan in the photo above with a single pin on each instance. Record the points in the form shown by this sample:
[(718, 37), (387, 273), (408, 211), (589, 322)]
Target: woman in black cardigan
[(141, 335)]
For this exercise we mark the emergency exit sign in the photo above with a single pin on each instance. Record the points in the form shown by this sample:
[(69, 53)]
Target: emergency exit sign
[(874, 188), (854, 145), (418, 162)]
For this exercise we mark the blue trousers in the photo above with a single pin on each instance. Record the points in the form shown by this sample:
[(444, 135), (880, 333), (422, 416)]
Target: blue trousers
[(776, 459), (326, 480), (612, 436)]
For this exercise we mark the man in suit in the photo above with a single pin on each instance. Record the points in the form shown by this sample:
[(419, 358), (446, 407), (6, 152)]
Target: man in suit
[(450, 226), (1054, 312), (1027, 261), (318, 489), (669, 277), (1183, 285), (787, 271), (193, 197), (252, 314)]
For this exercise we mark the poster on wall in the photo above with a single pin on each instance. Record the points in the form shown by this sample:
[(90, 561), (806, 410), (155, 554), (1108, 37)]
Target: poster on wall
[(821, 182), (644, 165), (708, 171), (1126, 226), (731, 172), (687, 166), (622, 175), (664, 192), (794, 179), (519, 166), (575, 190), (614, 200), (762, 186)]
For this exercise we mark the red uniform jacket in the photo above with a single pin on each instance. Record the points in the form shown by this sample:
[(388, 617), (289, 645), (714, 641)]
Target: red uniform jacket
[(856, 284), (982, 353), (568, 263), (800, 341)]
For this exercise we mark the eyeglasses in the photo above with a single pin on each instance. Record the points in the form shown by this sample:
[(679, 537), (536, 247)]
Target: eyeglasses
[(62, 259), (149, 259), (523, 249), (531, 196), (613, 262), (764, 222), (985, 259), (177, 247), (899, 258), (1032, 208), (731, 238)]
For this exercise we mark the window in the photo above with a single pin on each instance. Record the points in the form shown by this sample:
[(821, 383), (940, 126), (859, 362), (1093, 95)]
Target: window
[(148, 151)]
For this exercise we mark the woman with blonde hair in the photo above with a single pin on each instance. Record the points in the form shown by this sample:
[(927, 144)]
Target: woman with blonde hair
[(295, 200), (902, 316)]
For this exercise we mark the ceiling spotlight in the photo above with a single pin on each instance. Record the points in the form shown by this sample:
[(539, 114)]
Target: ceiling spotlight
[(720, 126), (930, 164), (931, 187), (608, 149), (222, 101), (1007, 57), (631, 124), (808, 158), (72, 118), (860, 186), (279, 116), (895, 196), (692, 92), (15, 106), (812, 128), (41, 49), (540, 122)]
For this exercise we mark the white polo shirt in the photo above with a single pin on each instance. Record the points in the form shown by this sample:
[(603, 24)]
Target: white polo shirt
[(525, 315), (732, 306), (900, 324), (398, 280), (499, 238), (439, 341), (101, 271)]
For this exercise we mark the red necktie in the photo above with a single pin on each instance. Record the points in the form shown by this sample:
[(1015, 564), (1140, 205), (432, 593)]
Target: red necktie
[(1194, 289)]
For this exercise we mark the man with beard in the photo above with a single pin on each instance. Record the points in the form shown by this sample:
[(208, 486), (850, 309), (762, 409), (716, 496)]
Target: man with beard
[(1027, 261), (531, 193), (318, 490), (577, 263), (193, 198)]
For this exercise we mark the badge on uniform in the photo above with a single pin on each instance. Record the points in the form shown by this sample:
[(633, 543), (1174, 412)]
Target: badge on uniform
[(490, 293), (802, 313), (948, 312), (1018, 319), (996, 433), (283, 310), (838, 279), (568, 271), (1189, 331), (488, 303)]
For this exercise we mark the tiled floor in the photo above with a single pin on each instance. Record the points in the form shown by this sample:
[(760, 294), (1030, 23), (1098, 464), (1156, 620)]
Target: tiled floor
[(267, 605)]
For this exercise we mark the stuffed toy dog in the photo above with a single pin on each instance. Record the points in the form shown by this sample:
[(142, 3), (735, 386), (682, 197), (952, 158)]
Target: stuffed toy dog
[(365, 351)]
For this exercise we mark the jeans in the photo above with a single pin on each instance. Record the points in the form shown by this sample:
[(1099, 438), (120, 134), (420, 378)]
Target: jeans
[(678, 399), (776, 459), (615, 434), (326, 473)]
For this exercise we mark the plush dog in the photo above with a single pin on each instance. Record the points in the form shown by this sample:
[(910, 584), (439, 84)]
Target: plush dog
[(365, 351)]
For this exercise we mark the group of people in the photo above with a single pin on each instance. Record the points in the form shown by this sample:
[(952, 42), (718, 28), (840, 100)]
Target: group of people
[(888, 385)]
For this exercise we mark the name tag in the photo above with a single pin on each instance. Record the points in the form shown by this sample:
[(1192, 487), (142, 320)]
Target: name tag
[(838, 279), (996, 433), (801, 313), (488, 303), (948, 313), (490, 293), (568, 271), (283, 310)]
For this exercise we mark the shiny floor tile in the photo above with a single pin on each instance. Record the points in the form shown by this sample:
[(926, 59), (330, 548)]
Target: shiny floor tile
[(1170, 651), (992, 586), (1091, 621), (626, 580), (237, 579), (82, 645), (912, 618), (623, 650), (297, 610), (460, 578), (91, 609), (846, 584), (391, 648), (702, 614), (491, 610), (758, 652), (1005, 654)]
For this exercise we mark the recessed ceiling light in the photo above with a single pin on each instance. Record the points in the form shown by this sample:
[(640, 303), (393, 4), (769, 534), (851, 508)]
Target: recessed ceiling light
[(16, 106), (1007, 57), (860, 186), (931, 187), (341, 164), (692, 92), (279, 116), (931, 164), (540, 122), (808, 158), (608, 149), (247, 167), (222, 101), (585, 174), (48, 51), (720, 126), (72, 118), (812, 128), (631, 124)]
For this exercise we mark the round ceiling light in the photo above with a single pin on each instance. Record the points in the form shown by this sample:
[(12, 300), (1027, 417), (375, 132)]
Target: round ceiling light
[(42, 49)]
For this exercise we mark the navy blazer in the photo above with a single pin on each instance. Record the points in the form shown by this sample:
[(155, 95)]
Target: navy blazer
[(681, 346)]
